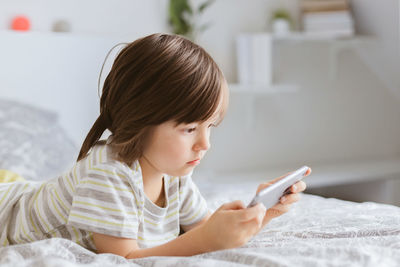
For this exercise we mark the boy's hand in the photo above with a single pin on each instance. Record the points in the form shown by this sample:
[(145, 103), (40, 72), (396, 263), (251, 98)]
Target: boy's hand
[(232, 225), (284, 205)]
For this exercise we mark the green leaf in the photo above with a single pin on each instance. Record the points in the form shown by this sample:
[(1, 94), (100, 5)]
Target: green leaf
[(204, 5), (178, 16)]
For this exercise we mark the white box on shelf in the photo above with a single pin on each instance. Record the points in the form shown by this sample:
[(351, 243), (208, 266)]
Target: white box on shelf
[(243, 58), (254, 58)]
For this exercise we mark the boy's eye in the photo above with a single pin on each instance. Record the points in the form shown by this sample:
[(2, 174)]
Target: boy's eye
[(212, 125), (190, 130)]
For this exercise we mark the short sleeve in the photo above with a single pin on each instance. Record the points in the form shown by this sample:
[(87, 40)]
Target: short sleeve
[(193, 207), (105, 203)]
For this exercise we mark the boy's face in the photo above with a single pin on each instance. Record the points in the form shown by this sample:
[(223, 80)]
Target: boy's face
[(176, 149)]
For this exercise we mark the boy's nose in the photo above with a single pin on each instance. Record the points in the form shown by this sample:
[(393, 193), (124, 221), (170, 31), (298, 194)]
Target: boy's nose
[(203, 143)]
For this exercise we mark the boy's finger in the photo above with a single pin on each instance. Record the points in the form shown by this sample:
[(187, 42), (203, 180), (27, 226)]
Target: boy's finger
[(251, 213), (280, 207), (289, 199), (234, 205), (298, 187), (264, 185), (308, 172)]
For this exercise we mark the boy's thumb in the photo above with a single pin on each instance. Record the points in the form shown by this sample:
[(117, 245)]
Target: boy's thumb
[(234, 205)]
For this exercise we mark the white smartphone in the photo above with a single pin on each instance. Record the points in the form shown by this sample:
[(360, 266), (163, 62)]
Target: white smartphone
[(271, 195)]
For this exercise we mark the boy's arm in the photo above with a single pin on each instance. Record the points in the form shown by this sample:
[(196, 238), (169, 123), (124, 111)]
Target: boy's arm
[(232, 225), (187, 244), (121, 244), (187, 228)]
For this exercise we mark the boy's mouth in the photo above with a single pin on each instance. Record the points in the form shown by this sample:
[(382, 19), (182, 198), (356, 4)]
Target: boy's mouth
[(194, 162)]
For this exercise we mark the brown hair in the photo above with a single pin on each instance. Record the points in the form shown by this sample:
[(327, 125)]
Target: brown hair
[(154, 79)]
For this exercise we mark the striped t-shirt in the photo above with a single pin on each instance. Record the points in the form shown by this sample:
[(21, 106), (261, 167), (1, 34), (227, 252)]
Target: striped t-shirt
[(102, 195)]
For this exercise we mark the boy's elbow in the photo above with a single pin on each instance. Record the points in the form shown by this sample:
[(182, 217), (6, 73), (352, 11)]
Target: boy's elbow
[(115, 245), (134, 254)]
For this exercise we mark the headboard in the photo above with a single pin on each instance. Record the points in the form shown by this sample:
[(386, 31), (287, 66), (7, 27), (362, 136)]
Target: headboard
[(58, 72)]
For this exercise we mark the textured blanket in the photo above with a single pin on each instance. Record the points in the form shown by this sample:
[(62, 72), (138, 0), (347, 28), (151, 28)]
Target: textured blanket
[(315, 232)]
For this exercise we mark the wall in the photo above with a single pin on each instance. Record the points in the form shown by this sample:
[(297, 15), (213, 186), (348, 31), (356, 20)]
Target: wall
[(381, 19), (353, 116), (58, 72), (130, 18)]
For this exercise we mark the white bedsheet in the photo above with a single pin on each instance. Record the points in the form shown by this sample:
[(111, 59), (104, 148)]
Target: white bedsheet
[(316, 232)]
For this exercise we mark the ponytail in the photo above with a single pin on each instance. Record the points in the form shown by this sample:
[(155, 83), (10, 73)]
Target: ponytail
[(93, 136)]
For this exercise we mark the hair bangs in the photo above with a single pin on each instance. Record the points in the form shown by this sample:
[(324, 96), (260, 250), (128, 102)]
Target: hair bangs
[(204, 98)]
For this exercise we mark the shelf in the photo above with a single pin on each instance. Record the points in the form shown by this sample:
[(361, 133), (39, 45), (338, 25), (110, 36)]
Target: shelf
[(304, 37), (336, 44), (262, 89), (49, 35)]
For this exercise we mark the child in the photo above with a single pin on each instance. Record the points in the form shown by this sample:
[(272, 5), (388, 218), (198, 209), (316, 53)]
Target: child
[(132, 193)]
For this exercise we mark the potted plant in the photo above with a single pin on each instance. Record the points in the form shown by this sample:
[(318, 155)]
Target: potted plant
[(281, 21), (183, 18)]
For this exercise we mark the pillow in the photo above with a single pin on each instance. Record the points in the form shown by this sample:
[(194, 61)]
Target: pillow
[(32, 143)]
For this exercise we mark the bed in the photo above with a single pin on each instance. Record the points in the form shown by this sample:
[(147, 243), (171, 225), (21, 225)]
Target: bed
[(317, 231)]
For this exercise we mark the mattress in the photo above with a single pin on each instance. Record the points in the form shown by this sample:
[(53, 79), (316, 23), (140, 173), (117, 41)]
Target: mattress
[(316, 232)]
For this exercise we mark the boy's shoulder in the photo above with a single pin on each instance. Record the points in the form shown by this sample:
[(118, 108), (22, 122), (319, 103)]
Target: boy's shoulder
[(102, 154), (101, 161)]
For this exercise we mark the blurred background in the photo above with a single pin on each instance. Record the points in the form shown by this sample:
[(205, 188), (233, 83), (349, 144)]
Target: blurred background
[(313, 82)]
